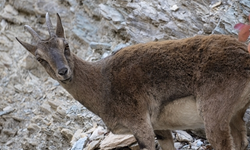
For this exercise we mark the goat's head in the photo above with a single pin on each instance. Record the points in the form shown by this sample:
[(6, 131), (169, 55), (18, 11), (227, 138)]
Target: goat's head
[(54, 53)]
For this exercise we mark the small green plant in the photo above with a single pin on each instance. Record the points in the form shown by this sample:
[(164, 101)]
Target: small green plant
[(244, 32)]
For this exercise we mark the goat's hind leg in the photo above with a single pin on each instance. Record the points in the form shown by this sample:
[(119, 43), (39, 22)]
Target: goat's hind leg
[(217, 116), (218, 106), (238, 126), (218, 131), (239, 131), (165, 139)]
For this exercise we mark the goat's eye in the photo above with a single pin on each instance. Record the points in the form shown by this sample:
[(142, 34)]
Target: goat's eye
[(67, 45), (66, 50), (39, 59)]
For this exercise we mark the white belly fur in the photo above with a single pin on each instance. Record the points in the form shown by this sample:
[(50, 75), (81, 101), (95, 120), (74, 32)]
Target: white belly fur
[(179, 114)]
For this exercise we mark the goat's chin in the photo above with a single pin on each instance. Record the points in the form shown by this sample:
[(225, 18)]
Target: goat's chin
[(65, 81)]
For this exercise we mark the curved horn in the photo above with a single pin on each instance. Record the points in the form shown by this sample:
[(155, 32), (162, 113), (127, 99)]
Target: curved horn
[(49, 25), (59, 27), (29, 47), (33, 33)]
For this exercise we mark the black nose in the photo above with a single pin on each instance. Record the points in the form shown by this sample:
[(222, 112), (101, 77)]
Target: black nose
[(63, 71)]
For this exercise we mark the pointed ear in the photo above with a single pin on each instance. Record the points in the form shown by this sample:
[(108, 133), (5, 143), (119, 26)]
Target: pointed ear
[(29, 47), (59, 27)]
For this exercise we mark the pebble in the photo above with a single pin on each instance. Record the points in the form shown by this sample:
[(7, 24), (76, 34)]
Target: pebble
[(33, 128), (5, 59), (45, 107), (17, 118), (174, 7), (8, 108), (9, 132), (67, 133), (10, 9), (18, 88), (54, 103), (6, 112), (216, 4), (56, 117), (198, 143), (77, 135), (28, 89), (98, 133), (9, 142), (61, 110), (183, 136)]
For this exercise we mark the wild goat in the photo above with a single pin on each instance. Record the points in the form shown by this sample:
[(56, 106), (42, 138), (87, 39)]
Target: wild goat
[(150, 89)]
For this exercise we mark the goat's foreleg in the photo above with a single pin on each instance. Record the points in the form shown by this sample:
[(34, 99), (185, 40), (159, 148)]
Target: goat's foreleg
[(165, 139), (142, 129)]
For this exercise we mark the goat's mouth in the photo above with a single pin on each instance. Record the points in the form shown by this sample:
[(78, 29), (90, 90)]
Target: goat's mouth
[(65, 81)]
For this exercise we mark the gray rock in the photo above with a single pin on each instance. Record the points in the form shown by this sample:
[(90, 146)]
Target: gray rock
[(80, 144), (29, 62), (7, 110), (1, 90), (113, 141), (174, 7), (111, 13), (120, 46), (45, 107), (33, 128), (198, 143), (24, 5), (95, 45), (5, 59), (77, 135), (61, 110), (5, 42), (54, 104), (9, 132), (83, 28), (67, 133), (10, 9), (98, 133), (178, 145), (93, 145), (2, 4), (25, 86), (18, 88), (183, 136)]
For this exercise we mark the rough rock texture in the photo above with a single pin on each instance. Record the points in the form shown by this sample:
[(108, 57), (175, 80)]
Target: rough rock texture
[(113, 141), (35, 111)]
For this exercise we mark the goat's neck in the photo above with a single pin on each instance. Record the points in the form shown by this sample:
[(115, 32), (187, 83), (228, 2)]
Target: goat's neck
[(85, 84)]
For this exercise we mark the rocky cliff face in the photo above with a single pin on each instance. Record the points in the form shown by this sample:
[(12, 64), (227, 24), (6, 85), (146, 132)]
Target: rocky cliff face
[(36, 112)]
